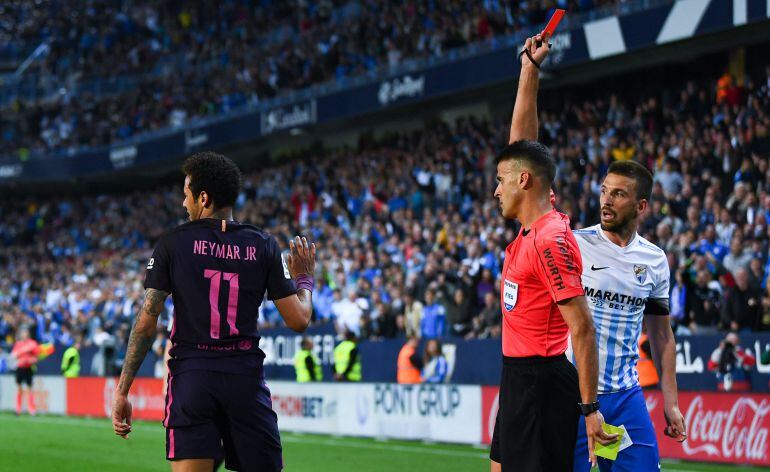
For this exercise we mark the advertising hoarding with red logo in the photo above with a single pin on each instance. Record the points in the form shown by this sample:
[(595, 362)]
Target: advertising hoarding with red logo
[(92, 396), (489, 404), (721, 427)]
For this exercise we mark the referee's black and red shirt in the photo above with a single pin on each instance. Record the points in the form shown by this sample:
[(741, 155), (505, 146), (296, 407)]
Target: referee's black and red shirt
[(542, 267)]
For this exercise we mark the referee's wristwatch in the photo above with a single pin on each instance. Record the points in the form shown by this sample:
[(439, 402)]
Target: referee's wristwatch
[(588, 408)]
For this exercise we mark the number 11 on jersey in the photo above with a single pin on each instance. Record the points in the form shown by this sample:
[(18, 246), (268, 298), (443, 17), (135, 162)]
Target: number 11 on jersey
[(215, 276)]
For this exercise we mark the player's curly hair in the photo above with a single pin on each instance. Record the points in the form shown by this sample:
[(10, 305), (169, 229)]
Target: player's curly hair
[(534, 155), (215, 174)]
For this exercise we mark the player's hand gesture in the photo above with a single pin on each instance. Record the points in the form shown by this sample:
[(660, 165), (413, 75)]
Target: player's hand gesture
[(675, 423), (121, 415), (301, 257), (538, 48), (595, 433)]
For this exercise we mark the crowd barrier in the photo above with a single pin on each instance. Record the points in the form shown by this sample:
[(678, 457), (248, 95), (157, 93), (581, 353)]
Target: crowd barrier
[(722, 427), (378, 358)]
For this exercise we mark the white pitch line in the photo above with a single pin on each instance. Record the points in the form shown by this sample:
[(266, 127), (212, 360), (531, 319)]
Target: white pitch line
[(102, 424), (94, 423), (386, 447)]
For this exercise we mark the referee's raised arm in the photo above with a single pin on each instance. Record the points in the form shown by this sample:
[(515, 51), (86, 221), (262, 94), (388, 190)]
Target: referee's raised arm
[(524, 125)]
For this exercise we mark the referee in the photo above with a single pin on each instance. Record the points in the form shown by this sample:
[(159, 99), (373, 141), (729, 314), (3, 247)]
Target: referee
[(542, 303)]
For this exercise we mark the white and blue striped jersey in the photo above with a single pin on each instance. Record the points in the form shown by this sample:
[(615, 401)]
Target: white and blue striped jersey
[(618, 282)]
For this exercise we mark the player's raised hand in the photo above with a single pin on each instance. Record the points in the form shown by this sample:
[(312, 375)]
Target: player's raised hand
[(675, 424), (538, 48), (595, 433), (301, 257), (121, 415)]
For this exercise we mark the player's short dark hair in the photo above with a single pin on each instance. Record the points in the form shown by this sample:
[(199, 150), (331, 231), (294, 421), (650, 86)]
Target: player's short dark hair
[(636, 171), (215, 174), (534, 155)]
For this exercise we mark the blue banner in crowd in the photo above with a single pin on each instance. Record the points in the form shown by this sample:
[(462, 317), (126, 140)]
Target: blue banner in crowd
[(476, 362), (609, 37)]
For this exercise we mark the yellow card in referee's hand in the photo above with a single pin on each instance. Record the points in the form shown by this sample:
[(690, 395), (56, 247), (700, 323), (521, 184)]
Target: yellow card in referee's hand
[(610, 451)]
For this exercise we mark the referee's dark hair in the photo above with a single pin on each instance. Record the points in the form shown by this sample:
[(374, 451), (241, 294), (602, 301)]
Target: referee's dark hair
[(535, 155), (215, 174), (636, 171)]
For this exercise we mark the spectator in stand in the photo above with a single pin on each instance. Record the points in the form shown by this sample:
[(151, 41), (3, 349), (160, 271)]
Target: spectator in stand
[(732, 364), (436, 368), (709, 245), (725, 228), (347, 313), (671, 180), (384, 321), (742, 309), (458, 314), (678, 308), (765, 320), (702, 303), (487, 323), (413, 313), (757, 277), (323, 299), (433, 323), (738, 258)]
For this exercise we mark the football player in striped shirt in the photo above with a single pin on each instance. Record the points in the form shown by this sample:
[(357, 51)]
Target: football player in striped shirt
[(626, 283)]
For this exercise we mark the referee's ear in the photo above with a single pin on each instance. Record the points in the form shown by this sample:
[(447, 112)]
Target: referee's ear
[(526, 180)]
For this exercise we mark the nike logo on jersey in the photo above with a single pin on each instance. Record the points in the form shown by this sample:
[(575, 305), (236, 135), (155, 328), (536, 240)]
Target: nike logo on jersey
[(598, 268)]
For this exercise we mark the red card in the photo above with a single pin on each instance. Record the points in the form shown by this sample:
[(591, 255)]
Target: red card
[(553, 23)]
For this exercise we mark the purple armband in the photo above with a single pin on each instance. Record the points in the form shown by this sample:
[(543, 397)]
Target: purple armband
[(304, 281)]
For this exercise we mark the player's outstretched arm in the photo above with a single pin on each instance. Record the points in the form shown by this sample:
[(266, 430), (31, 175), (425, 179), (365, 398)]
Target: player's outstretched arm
[(581, 326), (297, 309), (663, 347), (139, 342), (524, 121)]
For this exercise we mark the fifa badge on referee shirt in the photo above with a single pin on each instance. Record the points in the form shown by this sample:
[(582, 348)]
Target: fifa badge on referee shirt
[(510, 294)]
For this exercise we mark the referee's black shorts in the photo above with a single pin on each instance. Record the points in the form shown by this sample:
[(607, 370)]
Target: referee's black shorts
[(537, 420), (24, 376)]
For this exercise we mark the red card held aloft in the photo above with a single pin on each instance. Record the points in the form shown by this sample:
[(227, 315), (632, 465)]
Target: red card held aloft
[(553, 23)]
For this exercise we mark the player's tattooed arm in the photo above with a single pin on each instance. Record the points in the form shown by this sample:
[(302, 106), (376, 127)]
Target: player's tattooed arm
[(142, 336)]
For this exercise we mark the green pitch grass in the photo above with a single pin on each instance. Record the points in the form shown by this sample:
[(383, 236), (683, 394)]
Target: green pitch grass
[(46, 443)]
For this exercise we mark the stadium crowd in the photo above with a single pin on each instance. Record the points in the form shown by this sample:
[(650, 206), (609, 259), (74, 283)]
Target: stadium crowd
[(411, 238), (223, 55)]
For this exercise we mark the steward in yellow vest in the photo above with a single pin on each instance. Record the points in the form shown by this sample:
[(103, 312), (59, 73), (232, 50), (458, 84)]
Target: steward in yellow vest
[(347, 362), (306, 364)]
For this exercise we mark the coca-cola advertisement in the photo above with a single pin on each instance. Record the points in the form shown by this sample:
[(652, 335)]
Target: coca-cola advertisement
[(721, 427), (489, 405), (92, 396)]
